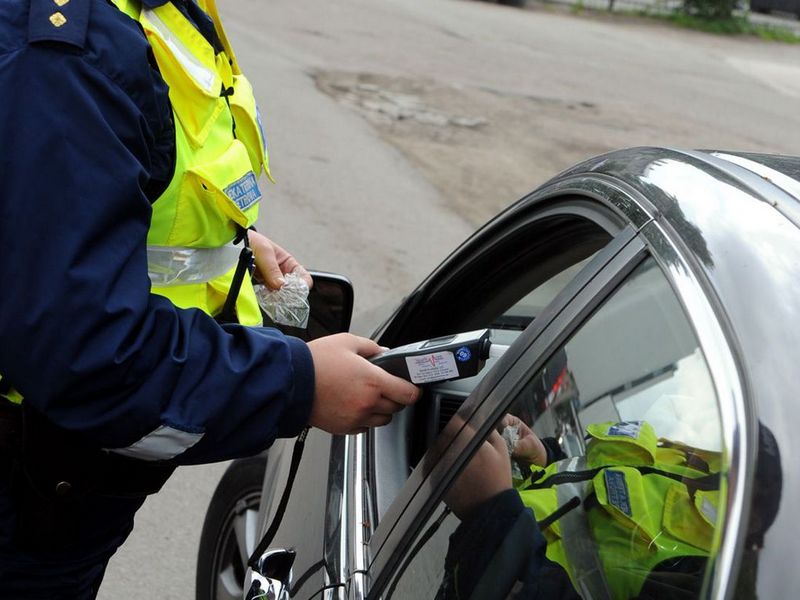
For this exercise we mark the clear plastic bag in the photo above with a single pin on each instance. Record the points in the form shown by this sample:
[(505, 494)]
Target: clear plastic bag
[(511, 437), (288, 305)]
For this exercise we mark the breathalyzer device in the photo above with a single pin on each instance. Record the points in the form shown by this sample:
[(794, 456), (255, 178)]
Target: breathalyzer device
[(439, 359)]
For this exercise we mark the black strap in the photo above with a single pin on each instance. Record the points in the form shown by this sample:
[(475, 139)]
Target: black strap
[(706, 482), (569, 505), (244, 266), (565, 477), (297, 454)]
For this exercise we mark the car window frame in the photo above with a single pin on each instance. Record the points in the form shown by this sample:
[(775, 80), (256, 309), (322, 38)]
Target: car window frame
[(425, 487), (523, 220), (719, 349), (607, 206)]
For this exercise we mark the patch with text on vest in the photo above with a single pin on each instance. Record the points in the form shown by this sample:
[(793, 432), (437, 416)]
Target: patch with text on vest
[(627, 428), (617, 490), (244, 191)]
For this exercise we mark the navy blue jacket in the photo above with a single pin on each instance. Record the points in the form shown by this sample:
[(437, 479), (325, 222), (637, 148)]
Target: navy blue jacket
[(87, 145)]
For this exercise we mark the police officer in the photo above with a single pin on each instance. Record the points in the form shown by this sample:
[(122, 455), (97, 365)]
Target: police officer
[(129, 329)]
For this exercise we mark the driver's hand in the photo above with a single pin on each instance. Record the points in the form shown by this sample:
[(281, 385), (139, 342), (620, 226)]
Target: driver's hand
[(351, 394)]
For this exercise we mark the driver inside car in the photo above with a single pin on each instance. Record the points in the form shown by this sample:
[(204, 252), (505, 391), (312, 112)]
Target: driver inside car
[(633, 517)]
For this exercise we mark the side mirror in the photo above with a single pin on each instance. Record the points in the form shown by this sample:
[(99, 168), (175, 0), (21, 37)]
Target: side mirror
[(331, 303)]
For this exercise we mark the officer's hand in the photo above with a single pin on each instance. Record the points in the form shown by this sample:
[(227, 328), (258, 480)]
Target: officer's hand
[(487, 474), (529, 447), (351, 394), (273, 262)]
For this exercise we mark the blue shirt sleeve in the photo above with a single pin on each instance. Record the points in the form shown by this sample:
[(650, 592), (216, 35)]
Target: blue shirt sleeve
[(81, 336)]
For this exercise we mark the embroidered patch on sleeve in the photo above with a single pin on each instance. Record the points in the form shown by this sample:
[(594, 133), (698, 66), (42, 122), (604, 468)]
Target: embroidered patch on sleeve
[(244, 191)]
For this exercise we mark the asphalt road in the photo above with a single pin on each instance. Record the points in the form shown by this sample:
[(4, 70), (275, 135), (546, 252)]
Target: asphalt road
[(359, 197)]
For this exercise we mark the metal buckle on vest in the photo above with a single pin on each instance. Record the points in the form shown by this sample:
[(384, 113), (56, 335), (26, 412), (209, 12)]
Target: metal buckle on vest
[(173, 265)]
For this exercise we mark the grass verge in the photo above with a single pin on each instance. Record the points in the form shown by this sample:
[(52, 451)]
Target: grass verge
[(736, 25)]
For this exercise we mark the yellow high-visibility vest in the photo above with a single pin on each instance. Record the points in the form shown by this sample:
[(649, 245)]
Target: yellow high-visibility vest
[(220, 154)]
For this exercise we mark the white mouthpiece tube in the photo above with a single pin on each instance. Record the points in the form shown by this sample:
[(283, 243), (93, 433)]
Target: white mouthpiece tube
[(497, 350)]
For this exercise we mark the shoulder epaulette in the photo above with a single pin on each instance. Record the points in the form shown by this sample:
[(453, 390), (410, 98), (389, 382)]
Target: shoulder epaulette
[(63, 21)]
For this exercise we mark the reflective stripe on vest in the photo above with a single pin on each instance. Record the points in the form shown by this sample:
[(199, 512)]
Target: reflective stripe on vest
[(167, 266), (220, 153)]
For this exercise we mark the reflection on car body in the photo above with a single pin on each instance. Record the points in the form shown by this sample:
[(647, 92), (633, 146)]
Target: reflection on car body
[(649, 287)]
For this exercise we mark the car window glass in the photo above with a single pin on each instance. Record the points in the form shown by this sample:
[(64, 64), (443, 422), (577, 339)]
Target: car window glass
[(617, 457), (445, 399), (525, 310), (506, 300)]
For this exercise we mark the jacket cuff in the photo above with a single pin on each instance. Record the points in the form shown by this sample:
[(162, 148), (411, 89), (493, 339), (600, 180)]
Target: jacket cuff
[(298, 410)]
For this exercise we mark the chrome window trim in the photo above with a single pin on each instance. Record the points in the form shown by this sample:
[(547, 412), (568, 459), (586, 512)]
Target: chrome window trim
[(355, 517), (608, 191), (736, 415), (777, 189)]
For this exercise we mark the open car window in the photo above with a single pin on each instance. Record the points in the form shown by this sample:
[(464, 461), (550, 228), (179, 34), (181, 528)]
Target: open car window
[(602, 479), (504, 291)]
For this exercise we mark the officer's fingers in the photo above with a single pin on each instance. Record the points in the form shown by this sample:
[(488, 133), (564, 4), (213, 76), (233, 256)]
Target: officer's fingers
[(305, 275), (363, 346), (385, 406), (509, 420), (532, 449), (375, 421), (524, 430), (497, 442), (289, 264), (396, 389), (266, 262), (524, 447)]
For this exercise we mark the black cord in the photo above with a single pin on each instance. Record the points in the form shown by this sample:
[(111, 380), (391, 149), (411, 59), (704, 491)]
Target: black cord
[(297, 454)]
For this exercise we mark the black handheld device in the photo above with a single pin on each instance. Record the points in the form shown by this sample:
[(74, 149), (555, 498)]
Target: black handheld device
[(438, 359)]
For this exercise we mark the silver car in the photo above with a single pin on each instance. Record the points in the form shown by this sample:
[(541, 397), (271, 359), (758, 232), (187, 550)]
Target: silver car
[(645, 288)]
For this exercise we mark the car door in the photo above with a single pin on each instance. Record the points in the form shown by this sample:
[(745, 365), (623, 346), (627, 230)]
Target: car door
[(530, 253), (604, 322)]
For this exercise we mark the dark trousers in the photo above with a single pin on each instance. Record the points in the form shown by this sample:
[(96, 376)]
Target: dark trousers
[(63, 552)]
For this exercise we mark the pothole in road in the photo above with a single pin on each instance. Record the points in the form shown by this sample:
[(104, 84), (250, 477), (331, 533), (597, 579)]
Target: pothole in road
[(483, 147)]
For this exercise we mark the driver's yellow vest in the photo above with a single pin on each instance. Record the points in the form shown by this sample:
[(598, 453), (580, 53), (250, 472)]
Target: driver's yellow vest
[(643, 501), (220, 153)]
